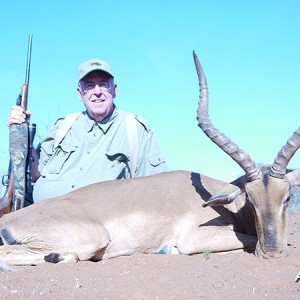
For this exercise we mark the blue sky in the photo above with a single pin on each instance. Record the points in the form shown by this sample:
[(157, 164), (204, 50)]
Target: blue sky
[(249, 51)]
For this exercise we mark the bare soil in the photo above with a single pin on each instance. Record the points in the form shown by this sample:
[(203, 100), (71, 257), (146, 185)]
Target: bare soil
[(233, 275)]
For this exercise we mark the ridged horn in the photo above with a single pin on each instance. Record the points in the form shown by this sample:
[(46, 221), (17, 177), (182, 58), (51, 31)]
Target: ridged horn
[(242, 159), (284, 156)]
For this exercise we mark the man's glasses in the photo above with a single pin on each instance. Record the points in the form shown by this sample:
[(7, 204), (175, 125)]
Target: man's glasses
[(88, 87)]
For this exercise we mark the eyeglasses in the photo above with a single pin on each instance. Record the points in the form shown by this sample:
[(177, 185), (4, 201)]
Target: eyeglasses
[(88, 87)]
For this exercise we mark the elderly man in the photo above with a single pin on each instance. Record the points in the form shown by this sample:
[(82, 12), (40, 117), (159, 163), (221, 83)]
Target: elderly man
[(99, 144)]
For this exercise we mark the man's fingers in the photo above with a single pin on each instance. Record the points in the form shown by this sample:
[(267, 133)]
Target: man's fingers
[(28, 114), (17, 115)]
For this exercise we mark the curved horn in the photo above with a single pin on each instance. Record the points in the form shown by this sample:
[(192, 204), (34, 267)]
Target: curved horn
[(284, 156), (243, 159)]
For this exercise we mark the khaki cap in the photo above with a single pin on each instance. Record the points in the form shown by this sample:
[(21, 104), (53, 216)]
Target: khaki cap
[(93, 65)]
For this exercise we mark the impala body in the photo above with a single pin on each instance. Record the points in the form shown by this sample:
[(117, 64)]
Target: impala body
[(186, 211)]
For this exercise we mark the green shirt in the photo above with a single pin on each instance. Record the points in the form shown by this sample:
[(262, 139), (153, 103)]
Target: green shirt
[(92, 152)]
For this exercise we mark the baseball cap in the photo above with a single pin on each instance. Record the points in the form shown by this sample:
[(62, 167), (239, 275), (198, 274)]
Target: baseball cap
[(93, 65)]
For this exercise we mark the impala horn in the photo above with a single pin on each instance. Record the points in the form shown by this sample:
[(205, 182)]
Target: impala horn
[(243, 159), (284, 156)]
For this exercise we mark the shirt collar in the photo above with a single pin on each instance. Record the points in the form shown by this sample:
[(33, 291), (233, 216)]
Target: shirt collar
[(104, 125)]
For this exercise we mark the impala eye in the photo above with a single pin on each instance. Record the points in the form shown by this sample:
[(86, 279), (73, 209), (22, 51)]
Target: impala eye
[(286, 200)]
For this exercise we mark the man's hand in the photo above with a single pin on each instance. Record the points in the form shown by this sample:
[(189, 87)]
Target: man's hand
[(17, 115)]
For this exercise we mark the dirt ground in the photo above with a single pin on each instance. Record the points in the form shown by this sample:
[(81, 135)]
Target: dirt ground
[(140, 276)]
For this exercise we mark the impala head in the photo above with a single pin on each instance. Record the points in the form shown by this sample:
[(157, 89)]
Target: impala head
[(267, 191), (268, 197)]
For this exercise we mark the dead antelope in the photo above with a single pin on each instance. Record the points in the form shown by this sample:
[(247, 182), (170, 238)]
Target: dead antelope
[(187, 211)]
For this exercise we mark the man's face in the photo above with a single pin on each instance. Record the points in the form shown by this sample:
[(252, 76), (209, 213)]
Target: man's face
[(97, 91)]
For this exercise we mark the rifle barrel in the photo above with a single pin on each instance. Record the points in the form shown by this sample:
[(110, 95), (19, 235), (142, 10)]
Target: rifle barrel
[(28, 60)]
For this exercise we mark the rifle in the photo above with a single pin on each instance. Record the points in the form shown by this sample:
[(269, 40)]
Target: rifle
[(19, 145), (30, 160)]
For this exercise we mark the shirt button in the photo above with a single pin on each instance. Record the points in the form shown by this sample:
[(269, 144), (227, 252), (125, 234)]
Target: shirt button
[(73, 186)]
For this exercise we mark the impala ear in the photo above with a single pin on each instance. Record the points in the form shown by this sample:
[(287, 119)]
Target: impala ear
[(222, 199), (293, 177)]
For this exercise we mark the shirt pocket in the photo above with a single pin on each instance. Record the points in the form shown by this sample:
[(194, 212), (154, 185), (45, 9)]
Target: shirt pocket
[(119, 168), (59, 158), (156, 159)]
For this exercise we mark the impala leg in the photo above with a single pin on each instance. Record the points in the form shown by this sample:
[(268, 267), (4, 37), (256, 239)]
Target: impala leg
[(219, 240), (22, 255), (78, 241)]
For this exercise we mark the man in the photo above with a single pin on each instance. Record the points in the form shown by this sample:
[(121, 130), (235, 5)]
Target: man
[(101, 143)]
